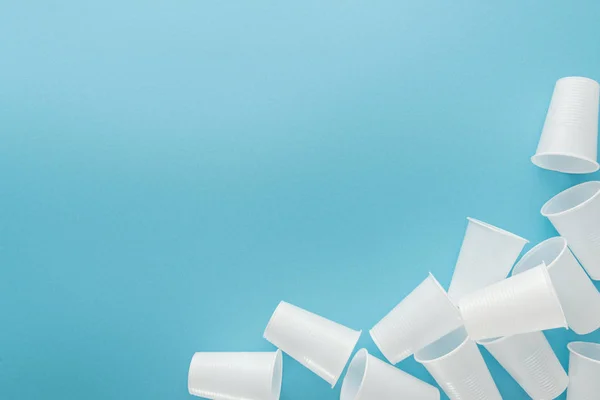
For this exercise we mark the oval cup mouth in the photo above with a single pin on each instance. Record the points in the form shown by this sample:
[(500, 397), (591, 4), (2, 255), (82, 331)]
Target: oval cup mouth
[(574, 348), (277, 375), (565, 163), (517, 269), (361, 356), (428, 360), (554, 293), (496, 229), (566, 192)]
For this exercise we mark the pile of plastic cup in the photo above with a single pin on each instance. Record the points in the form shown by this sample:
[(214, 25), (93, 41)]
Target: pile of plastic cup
[(548, 288)]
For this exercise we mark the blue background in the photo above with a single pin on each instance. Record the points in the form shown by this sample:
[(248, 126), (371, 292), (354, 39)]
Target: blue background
[(171, 170)]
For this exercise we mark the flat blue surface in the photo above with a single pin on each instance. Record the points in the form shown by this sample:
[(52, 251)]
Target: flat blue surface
[(171, 170)]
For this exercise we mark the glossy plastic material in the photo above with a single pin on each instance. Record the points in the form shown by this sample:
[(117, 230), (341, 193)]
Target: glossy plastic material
[(369, 378), (321, 345), (486, 256), (424, 316), (578, 296), (569, 141), (530, 360), (523, 303), (236, 376), (575, 213), (458, 367)]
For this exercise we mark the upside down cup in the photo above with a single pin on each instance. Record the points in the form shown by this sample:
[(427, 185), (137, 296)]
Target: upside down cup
[(569, 140)]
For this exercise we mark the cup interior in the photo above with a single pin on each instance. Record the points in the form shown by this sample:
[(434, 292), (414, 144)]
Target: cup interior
[(590, 351), (443, 346), (355, 376), (544, 253), (571, 198)]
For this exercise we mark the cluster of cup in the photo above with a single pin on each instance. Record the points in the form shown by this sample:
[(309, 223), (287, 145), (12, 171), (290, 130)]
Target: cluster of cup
[(548, 289)]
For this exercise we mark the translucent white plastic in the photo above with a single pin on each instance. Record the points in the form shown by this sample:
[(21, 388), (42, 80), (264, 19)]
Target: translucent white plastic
[(458, 367), (486, 256), (578, 296), (236, 376), (369, 378), (424, 316), (523, 303), (321, 345), (570, 135), (575, 213), (584, 371), (530, 360)]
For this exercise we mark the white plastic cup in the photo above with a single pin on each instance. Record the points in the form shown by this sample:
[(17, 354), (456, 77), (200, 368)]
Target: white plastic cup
[(523, 303), (578, 296), (584, 371), (369, 378), (569, 138), (458, 367), (236, 376), (486, 256), (530, 360), (424, 316), (575, 213), (321, 345)]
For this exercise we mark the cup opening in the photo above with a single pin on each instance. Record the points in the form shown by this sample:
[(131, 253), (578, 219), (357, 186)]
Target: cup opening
[(277, 375), (566, 163), (495, 340), (443, 347), (353, 381), (589, 351), (495, 229), (546, 252), (571, 199)]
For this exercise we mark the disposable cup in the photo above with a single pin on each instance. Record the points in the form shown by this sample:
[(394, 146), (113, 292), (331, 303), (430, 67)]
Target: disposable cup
[(424, 316), (575, 213), (578, 296), (369, 378), (523, 303), (321, 345), (584, 371), (570, 135), (458, 367), (486, 256), (530, 360), (236, 376)]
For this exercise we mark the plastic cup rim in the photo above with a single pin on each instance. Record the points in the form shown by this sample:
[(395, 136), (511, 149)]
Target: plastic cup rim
[(275, 312), (550, 285), (364, 374), (539, 246), (373, 334), (496, 229), (578, 206), (577, 353), (336, 378), (277, 361), (448, 354), (593, 163)]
